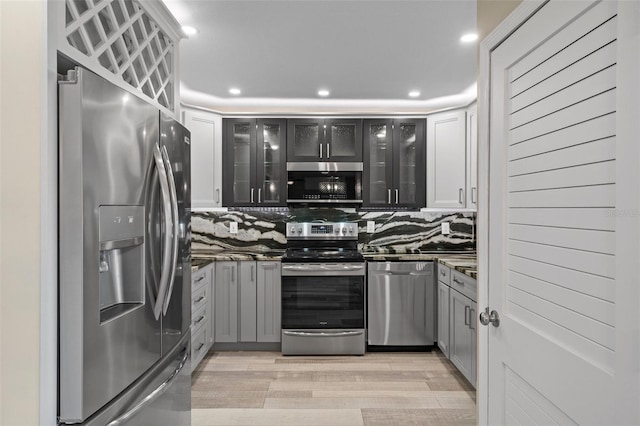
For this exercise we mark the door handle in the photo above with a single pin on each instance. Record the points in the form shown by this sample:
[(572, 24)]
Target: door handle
[(493, 317), (217, 195), (460, 196), (259, 195), (166, 248), (175, 225), (467, 310), (389, 196), (397, 196), (251, 195), (473, 195), (328, 152), (198, 300), (252, 271), (320, 150)]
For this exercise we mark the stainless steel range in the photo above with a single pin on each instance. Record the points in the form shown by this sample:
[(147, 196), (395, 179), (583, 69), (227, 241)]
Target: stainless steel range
[(323, 290)]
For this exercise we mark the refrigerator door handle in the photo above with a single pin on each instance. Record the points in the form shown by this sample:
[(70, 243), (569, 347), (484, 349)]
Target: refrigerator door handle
[(175, 223), (166, 250), (153, 395)]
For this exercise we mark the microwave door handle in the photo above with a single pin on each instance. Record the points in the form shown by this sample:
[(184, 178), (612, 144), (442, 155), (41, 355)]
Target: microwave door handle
[(175, 219), (166, 248)]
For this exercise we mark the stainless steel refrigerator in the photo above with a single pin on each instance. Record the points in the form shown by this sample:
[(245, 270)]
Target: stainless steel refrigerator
[(124, 258)]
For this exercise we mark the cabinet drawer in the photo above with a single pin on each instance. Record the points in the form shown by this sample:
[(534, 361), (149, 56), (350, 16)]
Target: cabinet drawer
[(199, 298), (200, 317), (201, 277), (444, 274), (199, 346), (464, 284)]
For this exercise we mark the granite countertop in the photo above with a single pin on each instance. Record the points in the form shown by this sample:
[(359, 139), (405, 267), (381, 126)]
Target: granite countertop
[(465, 264), (461, 261)]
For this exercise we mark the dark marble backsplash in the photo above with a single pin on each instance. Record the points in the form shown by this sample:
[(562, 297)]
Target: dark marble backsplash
[(395, 232)]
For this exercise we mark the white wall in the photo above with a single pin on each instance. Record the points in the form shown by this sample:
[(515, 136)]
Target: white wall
[(22, 117)]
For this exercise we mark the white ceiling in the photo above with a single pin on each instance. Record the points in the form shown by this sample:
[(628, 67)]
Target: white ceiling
[(368, 54)]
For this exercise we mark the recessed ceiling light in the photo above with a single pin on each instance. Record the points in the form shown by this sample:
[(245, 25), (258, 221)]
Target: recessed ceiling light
[(323, 92), (235, 91), (468, 38), (189, 30), (414, 94)]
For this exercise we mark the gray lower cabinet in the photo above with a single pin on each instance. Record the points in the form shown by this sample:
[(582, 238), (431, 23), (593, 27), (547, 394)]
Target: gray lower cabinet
[(269, 301), (226, 302), (462, 334), (247, 302), (201, 313), (443, 318)]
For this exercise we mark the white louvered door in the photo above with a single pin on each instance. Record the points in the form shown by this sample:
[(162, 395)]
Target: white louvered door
[(563, 217)]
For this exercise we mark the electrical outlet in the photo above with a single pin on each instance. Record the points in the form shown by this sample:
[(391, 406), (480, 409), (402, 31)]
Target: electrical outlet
[(444, 228), (233, 227), (371, 226)]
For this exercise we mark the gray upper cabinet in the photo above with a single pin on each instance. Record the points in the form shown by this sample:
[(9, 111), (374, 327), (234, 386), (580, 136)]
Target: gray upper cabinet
[(394, 163), (254, 153), (317, 139), (268, 301), (472, 157), (446, 160)]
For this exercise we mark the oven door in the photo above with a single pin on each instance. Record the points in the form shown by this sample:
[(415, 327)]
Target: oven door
[(323, 296)]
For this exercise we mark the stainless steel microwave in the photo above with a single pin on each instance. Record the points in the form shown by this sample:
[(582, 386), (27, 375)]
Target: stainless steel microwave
[(324, 182)]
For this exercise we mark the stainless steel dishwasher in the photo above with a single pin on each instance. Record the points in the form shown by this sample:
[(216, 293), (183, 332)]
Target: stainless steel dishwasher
[(401, 304)]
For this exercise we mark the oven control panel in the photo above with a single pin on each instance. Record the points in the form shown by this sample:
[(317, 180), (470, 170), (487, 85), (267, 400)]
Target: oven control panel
[(324, 231)]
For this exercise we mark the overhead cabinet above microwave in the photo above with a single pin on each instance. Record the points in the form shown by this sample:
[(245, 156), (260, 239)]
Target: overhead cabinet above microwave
[(254, 168), (394, 161), (324, 140)]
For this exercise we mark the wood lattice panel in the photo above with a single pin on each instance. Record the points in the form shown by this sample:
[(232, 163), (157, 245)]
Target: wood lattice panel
[(125, 40)]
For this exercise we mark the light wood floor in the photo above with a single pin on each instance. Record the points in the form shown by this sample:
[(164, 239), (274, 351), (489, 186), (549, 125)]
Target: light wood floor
[(266, 388)]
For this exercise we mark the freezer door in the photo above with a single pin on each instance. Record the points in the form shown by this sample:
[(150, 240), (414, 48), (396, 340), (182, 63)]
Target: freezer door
[(109, 335), (161, 397), (175, 144)]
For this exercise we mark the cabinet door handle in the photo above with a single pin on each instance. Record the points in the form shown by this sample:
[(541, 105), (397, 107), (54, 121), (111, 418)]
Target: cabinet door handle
[(200, 347), (389, 195), (472, 314), (458, 281), (217, 195), (200, 278), (252, 271), (199, 320), (251, 195), (443, 273), (460, 195), (200, 299), (259, 195), (473, 195), (233, 273), (397, 197), (467, 310), (320, 150), (328, 152)]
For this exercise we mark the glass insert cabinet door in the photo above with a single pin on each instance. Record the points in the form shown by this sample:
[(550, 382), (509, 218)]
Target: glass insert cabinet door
[(378, 162), (271, 174), (409, 161), (344, 140), (239, 151), (306, 140), (254, 170)]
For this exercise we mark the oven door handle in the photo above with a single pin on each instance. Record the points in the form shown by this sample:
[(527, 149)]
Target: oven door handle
[(322, 268), (323, 334)]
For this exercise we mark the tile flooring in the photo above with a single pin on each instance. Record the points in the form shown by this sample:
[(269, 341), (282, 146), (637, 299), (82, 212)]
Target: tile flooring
[(266, 388)]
